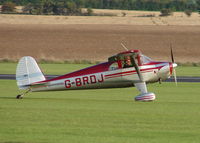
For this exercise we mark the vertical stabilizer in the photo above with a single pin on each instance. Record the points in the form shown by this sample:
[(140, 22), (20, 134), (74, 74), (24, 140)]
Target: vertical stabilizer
[(28, 72)]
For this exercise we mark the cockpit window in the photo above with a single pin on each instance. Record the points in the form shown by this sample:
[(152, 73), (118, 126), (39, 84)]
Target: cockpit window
[(144, 59), (127, 62)]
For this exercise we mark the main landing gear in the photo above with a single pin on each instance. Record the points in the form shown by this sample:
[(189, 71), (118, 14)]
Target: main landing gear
[(20, 96), (146, 97)]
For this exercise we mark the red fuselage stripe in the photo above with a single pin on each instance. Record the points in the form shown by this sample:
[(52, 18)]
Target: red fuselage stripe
[(142, 70), (126, 74)]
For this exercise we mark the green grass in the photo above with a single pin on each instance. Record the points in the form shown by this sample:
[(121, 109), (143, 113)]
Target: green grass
[(10, 68), (188, 71), (101, 116)]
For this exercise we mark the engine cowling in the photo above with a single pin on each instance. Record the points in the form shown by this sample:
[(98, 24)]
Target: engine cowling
[(164, 72)]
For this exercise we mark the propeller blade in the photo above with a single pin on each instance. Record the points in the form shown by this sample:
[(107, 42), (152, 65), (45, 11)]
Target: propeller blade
[(175, 79), (124, 46), (174, 64), (172, 55)]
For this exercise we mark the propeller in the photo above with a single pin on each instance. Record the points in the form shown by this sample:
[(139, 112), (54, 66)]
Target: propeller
[(173, 64), (124, 46), (138, 70)]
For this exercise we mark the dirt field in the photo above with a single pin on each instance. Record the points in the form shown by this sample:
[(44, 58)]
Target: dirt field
[(95, 41), (131, 18)]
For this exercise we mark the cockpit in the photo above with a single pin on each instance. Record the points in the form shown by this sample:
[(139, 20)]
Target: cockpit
[(128, 59)]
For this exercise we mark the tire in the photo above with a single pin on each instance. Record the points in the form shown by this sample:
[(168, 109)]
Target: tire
[(19, 96)]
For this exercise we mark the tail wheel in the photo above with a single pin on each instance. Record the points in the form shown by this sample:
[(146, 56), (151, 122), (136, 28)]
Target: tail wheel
[(19, 96)]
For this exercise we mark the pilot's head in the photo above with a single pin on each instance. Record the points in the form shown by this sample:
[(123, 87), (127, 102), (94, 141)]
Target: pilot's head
[(127, 60)]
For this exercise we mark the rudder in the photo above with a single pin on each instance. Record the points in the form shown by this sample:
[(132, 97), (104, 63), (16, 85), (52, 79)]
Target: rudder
[(28, 72)]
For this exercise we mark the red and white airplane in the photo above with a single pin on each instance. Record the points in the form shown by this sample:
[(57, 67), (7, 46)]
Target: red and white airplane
[(126, 69)]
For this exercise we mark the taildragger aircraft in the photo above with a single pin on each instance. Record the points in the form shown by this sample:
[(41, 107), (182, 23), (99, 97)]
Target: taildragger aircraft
[(125, 69)]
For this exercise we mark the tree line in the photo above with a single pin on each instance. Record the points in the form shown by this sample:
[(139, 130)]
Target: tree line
[(73, 7), (149, 5)]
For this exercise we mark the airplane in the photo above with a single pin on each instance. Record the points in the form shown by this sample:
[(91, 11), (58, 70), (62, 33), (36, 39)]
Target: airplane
[(126, 69)]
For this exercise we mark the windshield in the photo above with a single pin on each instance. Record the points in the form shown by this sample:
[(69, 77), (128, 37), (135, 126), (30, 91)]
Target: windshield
[(144, 59)]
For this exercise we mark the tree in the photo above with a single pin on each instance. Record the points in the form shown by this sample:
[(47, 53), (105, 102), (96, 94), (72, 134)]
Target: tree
[(58, 8), (188, 12), (89, 12), (28, 8), (8, 7), (165, 12), (72, 8), (47, 6), (198, 5)]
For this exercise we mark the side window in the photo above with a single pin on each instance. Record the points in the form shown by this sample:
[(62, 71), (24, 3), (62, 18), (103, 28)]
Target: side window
[(127, 62), (114, 66)]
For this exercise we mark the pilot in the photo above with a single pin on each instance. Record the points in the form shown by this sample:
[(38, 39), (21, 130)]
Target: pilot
[(127, 62)]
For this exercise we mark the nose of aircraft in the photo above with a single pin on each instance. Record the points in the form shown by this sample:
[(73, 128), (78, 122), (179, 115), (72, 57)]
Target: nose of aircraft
[(174, 65), (165, 70)]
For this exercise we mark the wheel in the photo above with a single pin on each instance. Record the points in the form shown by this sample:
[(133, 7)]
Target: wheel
[(145, 97), (19, 96)]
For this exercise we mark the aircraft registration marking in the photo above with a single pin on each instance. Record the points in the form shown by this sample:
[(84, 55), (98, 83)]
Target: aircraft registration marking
[(85, 80)]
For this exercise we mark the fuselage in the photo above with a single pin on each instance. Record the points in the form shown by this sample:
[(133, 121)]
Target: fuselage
[(105, 75)]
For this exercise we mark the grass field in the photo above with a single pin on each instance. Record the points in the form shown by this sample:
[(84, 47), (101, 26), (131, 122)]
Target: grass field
[(58, 69), (101, 116)]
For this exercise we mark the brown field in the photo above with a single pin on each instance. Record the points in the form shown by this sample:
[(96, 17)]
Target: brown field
[(64, 38), (131, 18)]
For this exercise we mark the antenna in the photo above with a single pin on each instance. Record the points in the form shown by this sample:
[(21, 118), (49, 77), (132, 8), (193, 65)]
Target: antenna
[(124, 46)]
